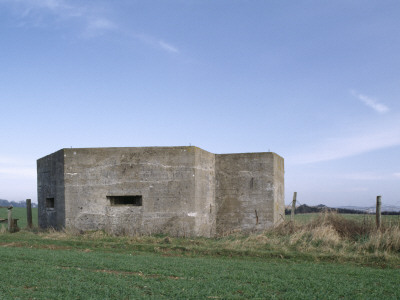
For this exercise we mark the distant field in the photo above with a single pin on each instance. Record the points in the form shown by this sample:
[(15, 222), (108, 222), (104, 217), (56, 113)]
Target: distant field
[(20, 214), (325, 259), (385, 219)]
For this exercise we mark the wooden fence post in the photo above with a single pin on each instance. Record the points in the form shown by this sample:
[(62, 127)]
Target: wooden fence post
[(10, 221), (293, 207), (378, 211), (29, 212)]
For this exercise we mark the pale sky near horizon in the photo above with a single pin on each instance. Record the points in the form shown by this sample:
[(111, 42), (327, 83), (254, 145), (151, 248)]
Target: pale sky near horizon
[(315, 81)]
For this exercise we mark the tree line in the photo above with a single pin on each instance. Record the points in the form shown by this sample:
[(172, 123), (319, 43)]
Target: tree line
[(21, 203)]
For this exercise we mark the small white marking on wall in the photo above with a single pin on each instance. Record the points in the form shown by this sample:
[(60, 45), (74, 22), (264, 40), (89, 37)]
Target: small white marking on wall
[(192, 214), (74, 153), (72, 174)]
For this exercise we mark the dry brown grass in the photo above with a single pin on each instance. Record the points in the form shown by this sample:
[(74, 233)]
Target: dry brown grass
[(387, 239), (332, 231), (328, 236), (329, 231)]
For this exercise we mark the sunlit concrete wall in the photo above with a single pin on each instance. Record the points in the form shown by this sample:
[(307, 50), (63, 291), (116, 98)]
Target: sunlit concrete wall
[(184, 191)]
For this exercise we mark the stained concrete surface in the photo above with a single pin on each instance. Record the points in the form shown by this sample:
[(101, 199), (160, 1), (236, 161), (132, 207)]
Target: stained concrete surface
[(185, 191)]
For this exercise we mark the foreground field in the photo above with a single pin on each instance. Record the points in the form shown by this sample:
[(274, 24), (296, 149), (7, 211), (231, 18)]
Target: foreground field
[(329, 257), (77, 274)]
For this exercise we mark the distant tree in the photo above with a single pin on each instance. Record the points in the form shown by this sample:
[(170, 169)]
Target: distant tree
[(15, 203)]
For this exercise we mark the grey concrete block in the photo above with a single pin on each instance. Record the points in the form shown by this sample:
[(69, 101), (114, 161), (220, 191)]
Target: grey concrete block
[(181, 191)]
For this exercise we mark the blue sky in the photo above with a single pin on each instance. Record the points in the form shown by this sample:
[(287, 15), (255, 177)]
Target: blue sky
[(314, 81)]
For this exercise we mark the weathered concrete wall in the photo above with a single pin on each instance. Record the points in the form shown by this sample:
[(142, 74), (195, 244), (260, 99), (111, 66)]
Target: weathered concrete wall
[(246, 192), (279, 189), (185, 191), (205, 192), (165, 177), (50, 182)]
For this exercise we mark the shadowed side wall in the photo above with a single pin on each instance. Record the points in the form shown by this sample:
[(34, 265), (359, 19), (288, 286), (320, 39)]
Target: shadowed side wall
[(279, 189), (50, 186), (163, 176), (205, 192), (246, 191)]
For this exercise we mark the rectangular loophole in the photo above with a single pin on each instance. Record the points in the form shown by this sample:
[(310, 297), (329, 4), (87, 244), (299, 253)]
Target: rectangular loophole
[(125, 200), (49, 202)]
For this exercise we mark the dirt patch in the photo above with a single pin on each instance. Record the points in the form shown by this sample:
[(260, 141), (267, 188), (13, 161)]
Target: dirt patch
[(126, 273), (12, 245)]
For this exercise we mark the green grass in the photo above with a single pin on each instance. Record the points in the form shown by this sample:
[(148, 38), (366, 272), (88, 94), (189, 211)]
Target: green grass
[(307, 261), (76, 274), (20, 214)]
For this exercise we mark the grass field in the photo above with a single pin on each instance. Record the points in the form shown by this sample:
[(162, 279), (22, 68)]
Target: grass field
[(307, 261), (20, 214), (74, 274)]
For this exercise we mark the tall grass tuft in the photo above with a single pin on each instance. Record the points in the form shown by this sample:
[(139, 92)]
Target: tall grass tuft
[(387, 239), (331, 230), (347, 228)]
